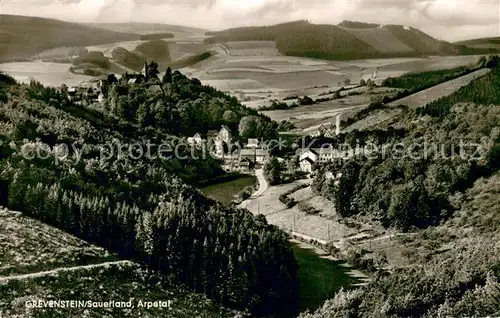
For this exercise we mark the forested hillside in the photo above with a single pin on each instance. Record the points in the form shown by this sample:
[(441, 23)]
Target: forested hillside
[(441, 183), (340, 42), (23, 37), (140, 206)]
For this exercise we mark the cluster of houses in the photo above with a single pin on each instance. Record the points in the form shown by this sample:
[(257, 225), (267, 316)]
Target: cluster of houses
[(240, 159), (329, 132)]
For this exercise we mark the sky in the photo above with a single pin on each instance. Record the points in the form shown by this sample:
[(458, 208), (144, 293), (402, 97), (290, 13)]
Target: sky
[(450, 20)]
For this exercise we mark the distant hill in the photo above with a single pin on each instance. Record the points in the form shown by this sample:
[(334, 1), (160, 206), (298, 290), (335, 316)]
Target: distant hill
[(492, 42), (149, 28), (22, 37), (348, 40)]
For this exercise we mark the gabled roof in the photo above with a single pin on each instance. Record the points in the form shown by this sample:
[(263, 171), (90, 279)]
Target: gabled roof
[(226, 128), (301, 151), (254, 152), (197, 135), (308, 160)]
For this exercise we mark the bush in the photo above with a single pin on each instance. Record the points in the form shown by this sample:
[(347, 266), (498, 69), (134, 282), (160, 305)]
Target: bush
[(306, 100), (245, 193), (307, 208)]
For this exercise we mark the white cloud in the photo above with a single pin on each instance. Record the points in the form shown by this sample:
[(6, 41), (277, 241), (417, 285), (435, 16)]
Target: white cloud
[(445, 19)]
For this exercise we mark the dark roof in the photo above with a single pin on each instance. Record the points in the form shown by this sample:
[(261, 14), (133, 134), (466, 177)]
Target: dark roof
[(303, 150), (254, 152), (308, 160)]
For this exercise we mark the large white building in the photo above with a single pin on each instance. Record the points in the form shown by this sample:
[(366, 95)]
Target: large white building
[(319, 155)]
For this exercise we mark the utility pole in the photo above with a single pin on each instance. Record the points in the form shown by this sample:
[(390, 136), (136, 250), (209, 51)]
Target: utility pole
[(328, 232)]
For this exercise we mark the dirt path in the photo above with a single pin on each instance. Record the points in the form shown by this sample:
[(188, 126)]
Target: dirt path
[(263, 185), (61, 269)]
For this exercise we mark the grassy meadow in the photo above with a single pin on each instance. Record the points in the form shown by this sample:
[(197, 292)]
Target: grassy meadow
[(225, 191), (320, 278)]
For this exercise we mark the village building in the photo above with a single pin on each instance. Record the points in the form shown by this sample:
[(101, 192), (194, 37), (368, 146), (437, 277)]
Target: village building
[(196, 139), (90, 93), (244, 165), (307, 153), (252, 143), (322, 130), (101, 98), (225, 134), (319, 155), (326, 154), (306, 165), (212, 135), (73, 94), (330, 133), (260, 156)]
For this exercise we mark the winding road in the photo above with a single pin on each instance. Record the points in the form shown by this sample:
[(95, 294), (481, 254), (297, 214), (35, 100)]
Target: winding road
[(263, 185), (61, 269)]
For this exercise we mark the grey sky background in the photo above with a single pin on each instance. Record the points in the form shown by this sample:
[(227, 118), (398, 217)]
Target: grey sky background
[(450, 20)]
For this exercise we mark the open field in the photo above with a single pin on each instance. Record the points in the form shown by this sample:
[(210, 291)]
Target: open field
[(424, 97), (53, 74), (293, 219), (29, 246), (119, 283), (249, 48), (309, 118), (320, 278), (225, 192)]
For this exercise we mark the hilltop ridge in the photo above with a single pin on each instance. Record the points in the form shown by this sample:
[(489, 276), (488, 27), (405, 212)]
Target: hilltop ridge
[(347, 40)]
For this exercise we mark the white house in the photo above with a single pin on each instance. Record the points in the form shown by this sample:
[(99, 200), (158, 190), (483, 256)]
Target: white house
[(225, 133), (255, 155), (261, 155), (325, 154), (252, 143), (101, 98), (219, 148), (306, 164), (307, 153), (196, 139)]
